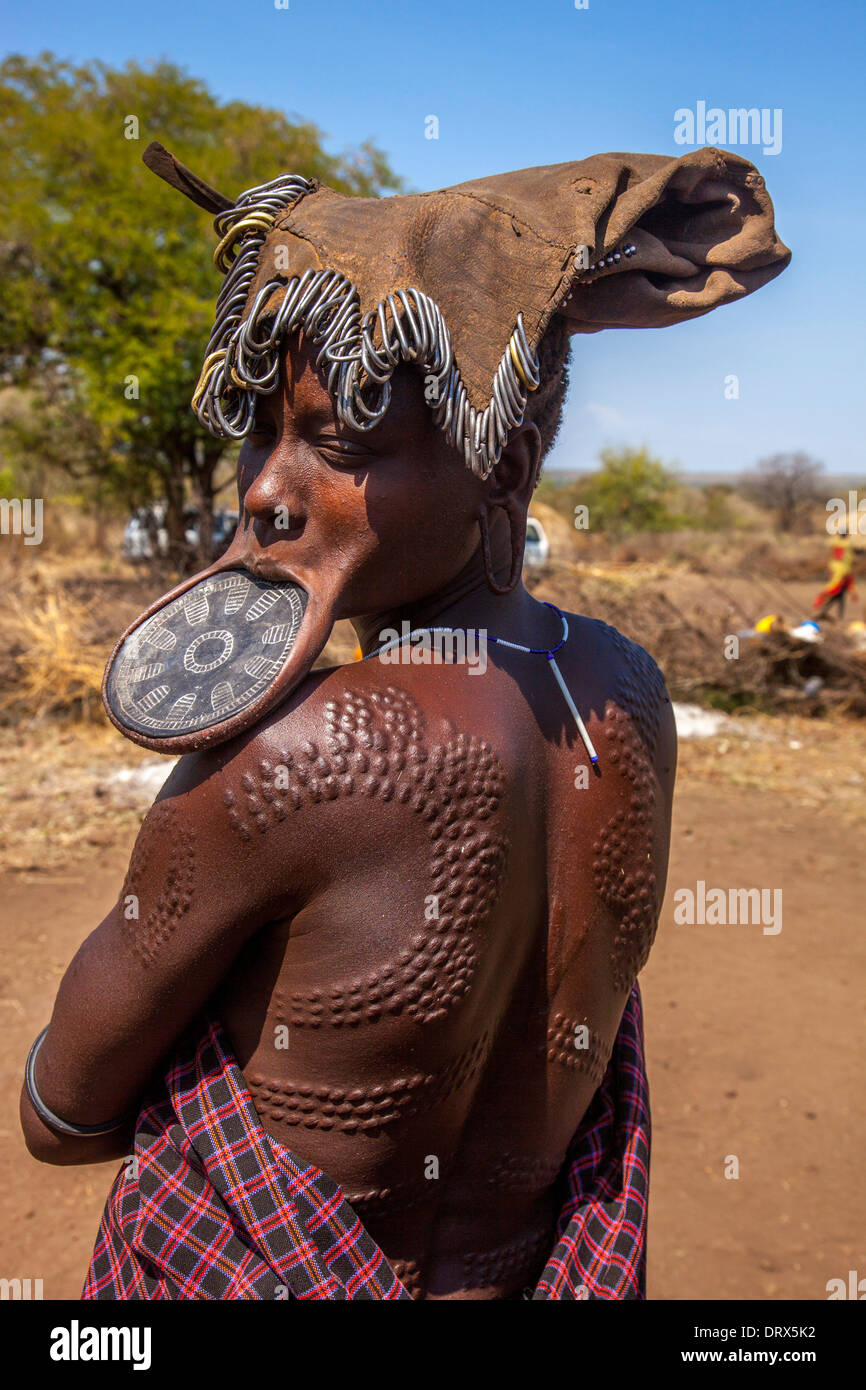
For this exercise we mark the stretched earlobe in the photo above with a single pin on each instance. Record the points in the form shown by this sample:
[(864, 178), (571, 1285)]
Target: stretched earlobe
[(517, 523)]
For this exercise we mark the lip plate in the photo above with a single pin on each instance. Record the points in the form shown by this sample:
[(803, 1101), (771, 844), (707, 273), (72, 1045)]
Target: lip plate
[(311, 639)]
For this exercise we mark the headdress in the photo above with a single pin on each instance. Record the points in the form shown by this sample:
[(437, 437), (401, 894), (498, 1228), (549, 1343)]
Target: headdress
[(464, 281)]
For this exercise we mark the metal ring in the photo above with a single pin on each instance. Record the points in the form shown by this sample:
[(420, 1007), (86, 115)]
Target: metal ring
[(374, 364), (387, 348), (415, 330)]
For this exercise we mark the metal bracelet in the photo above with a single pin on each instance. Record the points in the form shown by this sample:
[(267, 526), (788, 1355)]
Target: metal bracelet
[(54, 1121)]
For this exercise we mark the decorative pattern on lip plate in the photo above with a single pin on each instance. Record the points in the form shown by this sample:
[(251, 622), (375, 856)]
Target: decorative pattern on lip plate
[(206, 656)]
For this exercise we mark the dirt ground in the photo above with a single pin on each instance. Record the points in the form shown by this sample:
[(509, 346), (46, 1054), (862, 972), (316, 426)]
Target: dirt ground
[(755, 1041)]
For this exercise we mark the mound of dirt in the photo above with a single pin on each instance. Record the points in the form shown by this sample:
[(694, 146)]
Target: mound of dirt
[(691, 641)]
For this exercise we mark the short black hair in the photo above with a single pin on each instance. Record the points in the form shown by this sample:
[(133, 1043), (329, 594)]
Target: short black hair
[(544, 406)]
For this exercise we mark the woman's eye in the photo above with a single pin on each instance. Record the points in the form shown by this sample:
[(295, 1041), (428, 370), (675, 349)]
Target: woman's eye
[(343, 449)]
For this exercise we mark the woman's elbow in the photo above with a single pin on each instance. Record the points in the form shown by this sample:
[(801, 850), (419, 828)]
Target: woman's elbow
[(63, 1150)]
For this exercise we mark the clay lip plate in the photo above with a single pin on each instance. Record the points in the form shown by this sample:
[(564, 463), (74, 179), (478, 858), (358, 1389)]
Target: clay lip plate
[(209, 659)]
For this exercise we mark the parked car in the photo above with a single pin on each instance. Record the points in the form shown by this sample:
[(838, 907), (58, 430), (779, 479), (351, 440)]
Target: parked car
[(537, 548), (145, 535), (224, 526)]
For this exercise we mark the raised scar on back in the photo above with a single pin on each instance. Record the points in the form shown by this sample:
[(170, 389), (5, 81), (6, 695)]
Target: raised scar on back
[(367, 1110), (484, 1268), (576, 1045), (622, 853), (375, 746)]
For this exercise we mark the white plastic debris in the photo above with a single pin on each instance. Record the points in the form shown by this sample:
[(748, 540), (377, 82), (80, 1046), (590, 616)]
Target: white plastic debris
[(693, 721), (138, 785)]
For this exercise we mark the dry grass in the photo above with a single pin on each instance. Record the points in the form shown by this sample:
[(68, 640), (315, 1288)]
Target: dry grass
[(51, 667)]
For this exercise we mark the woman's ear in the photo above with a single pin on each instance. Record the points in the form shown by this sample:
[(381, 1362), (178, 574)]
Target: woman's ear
[(514, 477), (509, 491)]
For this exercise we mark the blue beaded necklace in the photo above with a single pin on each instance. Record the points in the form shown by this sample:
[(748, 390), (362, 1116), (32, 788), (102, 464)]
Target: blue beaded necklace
[(549, 652)]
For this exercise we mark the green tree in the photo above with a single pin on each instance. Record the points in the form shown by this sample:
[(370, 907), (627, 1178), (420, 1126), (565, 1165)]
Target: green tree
[(631, 492), (108, 281)]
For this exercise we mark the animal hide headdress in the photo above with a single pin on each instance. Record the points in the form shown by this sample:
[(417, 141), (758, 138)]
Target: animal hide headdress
[(463, 281)]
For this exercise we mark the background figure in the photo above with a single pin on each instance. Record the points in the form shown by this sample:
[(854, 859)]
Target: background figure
[(841, 578)]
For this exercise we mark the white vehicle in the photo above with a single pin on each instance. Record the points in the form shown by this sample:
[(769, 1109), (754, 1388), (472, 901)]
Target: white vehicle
[(145, 535), (537, 548)]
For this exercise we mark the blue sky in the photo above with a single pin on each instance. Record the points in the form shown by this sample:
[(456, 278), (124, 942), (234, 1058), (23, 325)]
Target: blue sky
[(516, 84)]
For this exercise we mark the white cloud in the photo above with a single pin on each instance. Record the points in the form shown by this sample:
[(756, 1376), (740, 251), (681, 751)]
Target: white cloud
[(605, 415)]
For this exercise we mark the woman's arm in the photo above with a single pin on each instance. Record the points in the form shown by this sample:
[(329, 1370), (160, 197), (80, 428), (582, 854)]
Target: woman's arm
[(194, 893)]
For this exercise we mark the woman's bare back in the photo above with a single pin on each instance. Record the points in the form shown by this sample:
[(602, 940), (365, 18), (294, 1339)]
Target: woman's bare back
[(429, 1012)]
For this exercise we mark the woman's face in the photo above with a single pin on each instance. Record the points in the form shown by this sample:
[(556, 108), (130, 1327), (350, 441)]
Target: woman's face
[(357, 525), (377, 519)]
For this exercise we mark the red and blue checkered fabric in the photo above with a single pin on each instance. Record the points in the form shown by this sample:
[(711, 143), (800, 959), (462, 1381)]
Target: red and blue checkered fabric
[(601, 1249), (210, 1207)]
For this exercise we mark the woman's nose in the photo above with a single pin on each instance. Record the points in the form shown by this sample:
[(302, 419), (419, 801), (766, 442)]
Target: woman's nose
[(269, 495)]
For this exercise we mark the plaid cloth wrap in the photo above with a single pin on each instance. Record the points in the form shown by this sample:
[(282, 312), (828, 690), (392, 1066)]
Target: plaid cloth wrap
[(210, 1207)]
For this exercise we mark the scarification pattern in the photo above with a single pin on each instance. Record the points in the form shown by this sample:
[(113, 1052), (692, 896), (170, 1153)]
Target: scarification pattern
[(622, 866), (162, 825), (375, 746), (397, 1197), (410, 1275), (560, 1047), (640, 689), (487, 1267), (524, 1173), (369, 1109)]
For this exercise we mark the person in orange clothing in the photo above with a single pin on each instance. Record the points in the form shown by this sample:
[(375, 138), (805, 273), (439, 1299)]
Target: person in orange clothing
[(841, 578)]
